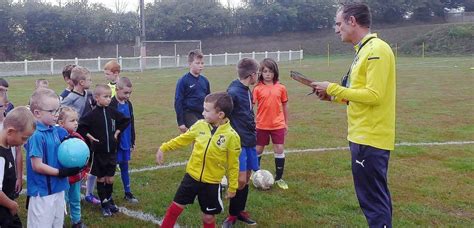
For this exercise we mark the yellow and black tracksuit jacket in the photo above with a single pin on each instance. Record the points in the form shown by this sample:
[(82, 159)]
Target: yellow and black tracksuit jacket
[(213, 154), (371, 95)]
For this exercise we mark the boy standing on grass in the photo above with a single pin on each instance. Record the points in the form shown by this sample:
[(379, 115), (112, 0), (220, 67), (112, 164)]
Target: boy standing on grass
[(191, 89), (112, 74), (46, 178), (102, 127), (18, 126), (215, 153), (243, 121), (80, 99), (67, 78), (126, 144), (16, 150)]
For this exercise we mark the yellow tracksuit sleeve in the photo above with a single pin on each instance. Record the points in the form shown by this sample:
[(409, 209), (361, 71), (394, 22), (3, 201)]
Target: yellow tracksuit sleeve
[(180, 141), (233, 163)]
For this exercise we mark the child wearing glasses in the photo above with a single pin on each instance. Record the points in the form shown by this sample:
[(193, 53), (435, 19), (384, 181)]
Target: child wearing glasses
[(46, 178)]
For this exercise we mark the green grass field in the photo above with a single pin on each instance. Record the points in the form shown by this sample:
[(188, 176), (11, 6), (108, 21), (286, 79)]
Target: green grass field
[(430, 185)]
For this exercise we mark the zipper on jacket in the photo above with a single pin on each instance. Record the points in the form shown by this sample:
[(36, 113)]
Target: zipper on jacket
[(106, 131), (205, 152)]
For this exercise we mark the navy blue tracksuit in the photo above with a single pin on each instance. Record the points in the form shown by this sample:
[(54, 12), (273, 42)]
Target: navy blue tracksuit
[(369, 170)]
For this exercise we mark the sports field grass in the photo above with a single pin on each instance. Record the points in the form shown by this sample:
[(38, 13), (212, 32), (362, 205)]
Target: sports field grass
[(430, 185)]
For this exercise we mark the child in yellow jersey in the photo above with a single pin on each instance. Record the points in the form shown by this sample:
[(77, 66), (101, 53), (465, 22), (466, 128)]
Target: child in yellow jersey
[(112, 74), (215, 154)]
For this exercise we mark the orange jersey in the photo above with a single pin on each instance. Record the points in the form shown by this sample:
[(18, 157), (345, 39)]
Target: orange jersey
[(269, 100)]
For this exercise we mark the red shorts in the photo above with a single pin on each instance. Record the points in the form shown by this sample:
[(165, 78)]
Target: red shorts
[(263, 136)]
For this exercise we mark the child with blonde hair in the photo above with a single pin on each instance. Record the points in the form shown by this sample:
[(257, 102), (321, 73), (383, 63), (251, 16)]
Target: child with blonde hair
[(69, 119)]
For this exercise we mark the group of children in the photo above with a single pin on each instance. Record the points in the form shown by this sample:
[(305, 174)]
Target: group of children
[(226, 141), (105, 122)]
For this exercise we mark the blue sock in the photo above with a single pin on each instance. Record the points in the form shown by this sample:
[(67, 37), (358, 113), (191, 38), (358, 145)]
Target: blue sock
[(125, 176)]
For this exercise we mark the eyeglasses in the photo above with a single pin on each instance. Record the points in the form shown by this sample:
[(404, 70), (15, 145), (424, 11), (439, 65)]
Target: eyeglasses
[(51, 111)]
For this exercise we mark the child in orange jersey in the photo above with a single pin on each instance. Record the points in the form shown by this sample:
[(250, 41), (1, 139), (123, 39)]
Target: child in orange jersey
[(271, 99)]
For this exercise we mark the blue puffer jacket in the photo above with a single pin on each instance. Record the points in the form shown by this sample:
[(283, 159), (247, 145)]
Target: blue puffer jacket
[(242, 118)]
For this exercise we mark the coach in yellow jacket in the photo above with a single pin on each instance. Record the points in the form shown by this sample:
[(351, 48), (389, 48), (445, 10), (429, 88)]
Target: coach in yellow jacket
[(369, 90)]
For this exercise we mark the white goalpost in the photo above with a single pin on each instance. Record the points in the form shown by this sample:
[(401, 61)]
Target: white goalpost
[(171, 47)]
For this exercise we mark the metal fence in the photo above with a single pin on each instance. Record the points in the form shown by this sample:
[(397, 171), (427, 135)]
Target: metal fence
[(55, 66)]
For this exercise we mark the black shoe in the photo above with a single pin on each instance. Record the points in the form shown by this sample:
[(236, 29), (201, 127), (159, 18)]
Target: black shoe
[(245, 217), (112, 207), (106, 211), (79, 225), (129, 197)]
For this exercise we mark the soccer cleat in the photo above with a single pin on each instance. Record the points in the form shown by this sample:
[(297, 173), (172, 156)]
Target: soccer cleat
[(229, 221), (92, 199), (130, 197), (245, 217), (106, 211), (112, 207), (282, 184), (79, 225)]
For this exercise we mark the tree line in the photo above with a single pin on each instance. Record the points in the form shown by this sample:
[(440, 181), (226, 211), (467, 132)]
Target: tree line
[(28, 27)]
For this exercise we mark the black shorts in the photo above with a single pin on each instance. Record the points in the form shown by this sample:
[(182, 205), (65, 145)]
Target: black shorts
[(191, 117), (209, 195), (8, 220), (104, 164)]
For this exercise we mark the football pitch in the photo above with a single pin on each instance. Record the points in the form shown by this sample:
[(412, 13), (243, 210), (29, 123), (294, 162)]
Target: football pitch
[(431, 171)]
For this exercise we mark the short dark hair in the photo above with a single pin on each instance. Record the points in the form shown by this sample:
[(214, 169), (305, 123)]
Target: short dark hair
[(246, 67), (222, 102), (360, 11), (272, 66), (194, 54), (3, 82), (67, 70)]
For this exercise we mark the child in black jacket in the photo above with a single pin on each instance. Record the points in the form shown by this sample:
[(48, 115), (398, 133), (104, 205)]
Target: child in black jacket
[(102, 126), (126, 143)]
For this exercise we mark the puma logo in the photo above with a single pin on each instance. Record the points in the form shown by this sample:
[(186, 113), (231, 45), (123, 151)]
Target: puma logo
[(361, 163)]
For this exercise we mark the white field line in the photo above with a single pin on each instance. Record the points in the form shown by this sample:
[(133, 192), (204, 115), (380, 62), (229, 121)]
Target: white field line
[(433, 62), (141, 216), (176, 164)]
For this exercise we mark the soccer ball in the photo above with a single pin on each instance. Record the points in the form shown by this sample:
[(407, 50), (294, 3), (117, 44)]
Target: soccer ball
[(73, 153), (263, 179)]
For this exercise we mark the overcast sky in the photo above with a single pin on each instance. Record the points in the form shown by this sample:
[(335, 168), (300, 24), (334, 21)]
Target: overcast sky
[(132, 5)]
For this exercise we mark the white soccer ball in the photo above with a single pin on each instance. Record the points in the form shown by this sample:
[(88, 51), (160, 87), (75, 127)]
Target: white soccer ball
[(263, 179)]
